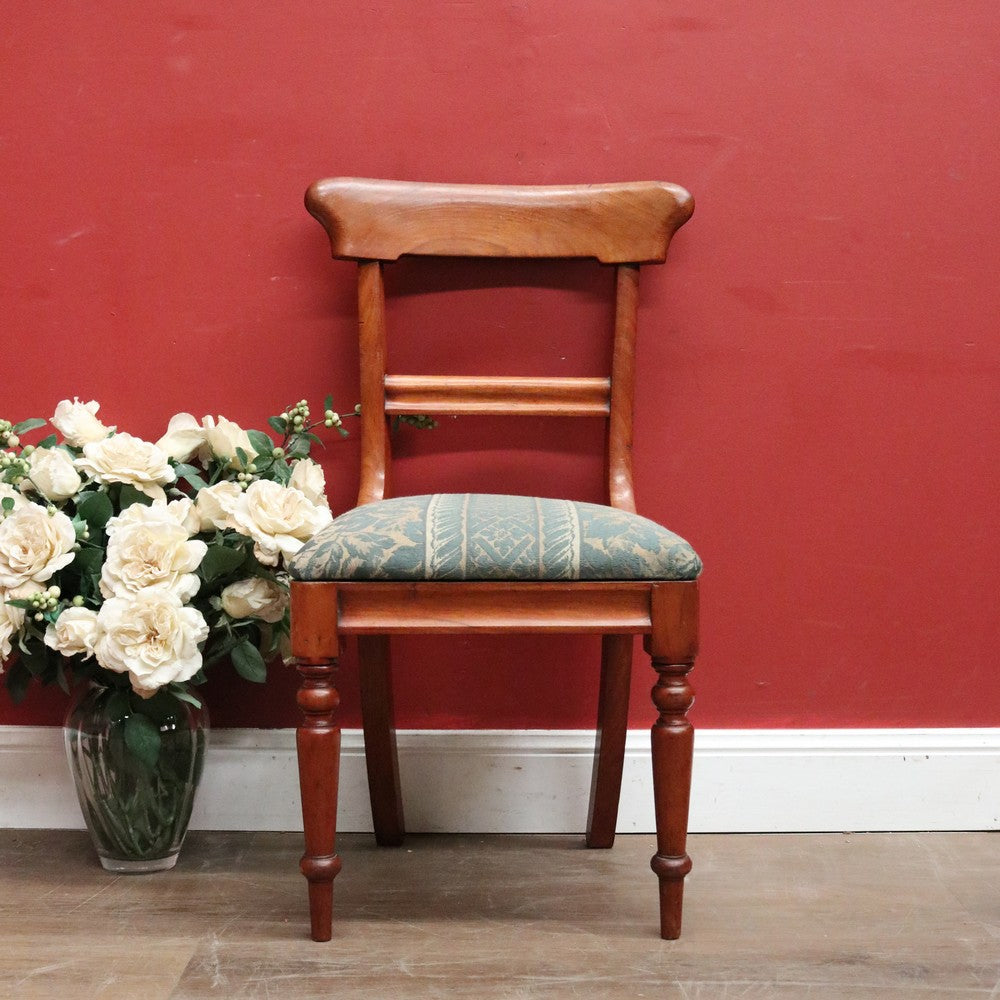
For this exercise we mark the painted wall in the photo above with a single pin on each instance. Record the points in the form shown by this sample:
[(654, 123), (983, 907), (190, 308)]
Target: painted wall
[(819, 360)]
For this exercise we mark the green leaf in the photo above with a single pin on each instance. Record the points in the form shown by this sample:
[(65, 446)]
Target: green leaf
[(142, 737), (7, 504), (328, 402), (130, 495), (243, 457), (34, 659), (190, 474), (262, 444), (298, 447), (88, 561), (279, 425), (95, 509), (29, 425), (47, 442), (220, 560), (181, 695), (249, 663)]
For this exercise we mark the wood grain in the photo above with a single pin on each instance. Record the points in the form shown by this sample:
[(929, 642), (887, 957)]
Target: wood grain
[(448, 395), (383, 220)]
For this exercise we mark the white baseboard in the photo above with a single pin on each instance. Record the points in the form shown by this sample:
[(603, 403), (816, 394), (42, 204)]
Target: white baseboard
[(538, 781)]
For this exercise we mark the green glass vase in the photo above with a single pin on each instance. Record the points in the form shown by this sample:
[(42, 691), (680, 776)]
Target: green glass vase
[(136, 764)]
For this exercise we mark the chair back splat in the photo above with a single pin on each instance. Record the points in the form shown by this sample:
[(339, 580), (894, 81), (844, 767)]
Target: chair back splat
[(462, 563), (376, 221)]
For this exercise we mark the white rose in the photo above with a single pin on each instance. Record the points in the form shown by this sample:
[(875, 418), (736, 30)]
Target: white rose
[(183, 511), (225, 437), (215, 503), (185, 437), (127, 459), (214, 437), (255, 597), (280, 519), (152, 637), (73, 633), (78, 423), (149, 547), (34, 545), (52, 473), (308, 477), (180, 512)]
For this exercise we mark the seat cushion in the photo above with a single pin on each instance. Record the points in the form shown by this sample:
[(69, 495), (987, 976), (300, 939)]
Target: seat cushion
[(475, 536)]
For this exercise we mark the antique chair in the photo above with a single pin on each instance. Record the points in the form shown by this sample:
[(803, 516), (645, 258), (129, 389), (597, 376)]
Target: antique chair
[(459, 563)]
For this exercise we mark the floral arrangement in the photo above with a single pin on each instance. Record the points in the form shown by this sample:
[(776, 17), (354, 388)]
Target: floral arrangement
[(137, 564)]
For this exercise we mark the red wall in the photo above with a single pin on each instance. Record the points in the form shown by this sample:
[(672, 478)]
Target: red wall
[(820, 371)]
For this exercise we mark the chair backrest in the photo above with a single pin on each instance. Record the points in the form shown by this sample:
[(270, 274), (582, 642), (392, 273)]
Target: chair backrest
[(375, 221)]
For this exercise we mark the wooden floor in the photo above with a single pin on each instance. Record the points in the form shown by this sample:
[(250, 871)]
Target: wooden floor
[(787, 917)]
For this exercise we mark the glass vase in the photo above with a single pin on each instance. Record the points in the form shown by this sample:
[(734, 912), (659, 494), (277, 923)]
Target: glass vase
[(136, 764)]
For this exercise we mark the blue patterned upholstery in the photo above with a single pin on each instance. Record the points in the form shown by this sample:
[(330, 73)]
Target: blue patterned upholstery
[(474, 536)]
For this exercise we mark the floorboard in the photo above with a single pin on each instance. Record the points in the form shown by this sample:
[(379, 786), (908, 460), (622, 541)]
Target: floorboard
[(793, 917)]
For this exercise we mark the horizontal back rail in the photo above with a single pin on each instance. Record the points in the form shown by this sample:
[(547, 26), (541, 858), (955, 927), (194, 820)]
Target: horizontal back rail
[(384, 220), (449, 395)]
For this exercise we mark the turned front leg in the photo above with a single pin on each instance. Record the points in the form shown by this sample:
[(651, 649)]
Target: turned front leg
[(672, 749), (318, 743), (672, 647)]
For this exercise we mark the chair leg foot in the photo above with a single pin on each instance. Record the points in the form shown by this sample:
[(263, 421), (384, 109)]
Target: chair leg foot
[(671, 872), (321, 872)]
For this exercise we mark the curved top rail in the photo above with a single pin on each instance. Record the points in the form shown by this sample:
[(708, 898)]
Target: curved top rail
[(383, 220)]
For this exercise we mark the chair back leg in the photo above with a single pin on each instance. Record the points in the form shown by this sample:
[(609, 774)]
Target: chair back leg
[(381, 757), (609, 751)]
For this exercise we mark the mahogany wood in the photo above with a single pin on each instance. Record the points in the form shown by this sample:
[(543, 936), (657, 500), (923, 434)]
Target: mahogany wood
[(620, 489), (672, 645), (450, 394), (379, 724), (374, 431), (612, 728), (318, 745), (434, 608), (378, 221), (383, 220)]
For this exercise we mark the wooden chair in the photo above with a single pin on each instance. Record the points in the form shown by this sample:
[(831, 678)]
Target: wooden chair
[(420, 565)]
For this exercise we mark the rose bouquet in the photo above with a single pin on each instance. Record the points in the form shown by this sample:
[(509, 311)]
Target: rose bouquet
[(135, 565)]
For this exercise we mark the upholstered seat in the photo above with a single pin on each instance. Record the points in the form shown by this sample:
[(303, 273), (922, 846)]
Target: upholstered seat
[(476, 536)]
